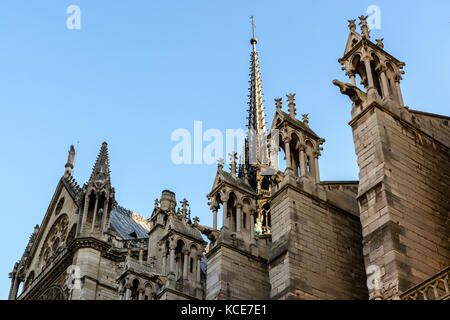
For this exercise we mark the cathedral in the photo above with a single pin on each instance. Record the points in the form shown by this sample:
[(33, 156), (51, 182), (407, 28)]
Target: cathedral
[(285, 234)]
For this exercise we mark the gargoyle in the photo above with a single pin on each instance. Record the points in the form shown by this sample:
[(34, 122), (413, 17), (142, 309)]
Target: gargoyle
[(210, 233), (355, 94)]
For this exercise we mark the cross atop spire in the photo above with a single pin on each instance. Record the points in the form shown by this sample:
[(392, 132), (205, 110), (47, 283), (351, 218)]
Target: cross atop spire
[(253, 39), (100, 176)]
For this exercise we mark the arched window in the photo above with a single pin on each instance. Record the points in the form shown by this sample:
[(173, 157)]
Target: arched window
[(179, 259), (71, 234), (55, 239), (309, 158), (53, 293), (29, 280), (134, 289), (232, 211), (59, 206)]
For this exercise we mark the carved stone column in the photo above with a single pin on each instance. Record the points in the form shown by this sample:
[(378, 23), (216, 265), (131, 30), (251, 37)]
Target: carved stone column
[(85, 212), (128, 292), (366, 60), (185, 264), (215, 218), (95, 213), (199, 259), (238, 217), (287, 146), (399, 92), (351, 75), (316, 165), (384, 84), (14, 287), (164, 259), (105, 214), (172, 259), (302, 158), (225, 221), (141, 252), (252, 224)]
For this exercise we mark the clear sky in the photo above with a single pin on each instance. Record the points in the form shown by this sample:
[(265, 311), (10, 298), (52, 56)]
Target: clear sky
[(138, 70)]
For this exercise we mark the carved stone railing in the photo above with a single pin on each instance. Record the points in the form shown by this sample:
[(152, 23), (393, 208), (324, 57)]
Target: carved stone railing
[(435, 288), (266, 193), (44, 271), (131, 264)]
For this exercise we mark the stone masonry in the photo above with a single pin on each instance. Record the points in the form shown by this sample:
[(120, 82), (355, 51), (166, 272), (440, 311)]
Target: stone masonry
[(284, 233)]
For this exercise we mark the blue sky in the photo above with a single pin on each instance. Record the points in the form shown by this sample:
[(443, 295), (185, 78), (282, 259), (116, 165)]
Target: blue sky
[(138, 70)]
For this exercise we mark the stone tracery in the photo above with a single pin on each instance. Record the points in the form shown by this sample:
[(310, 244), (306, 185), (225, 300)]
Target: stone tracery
[(55, 240)]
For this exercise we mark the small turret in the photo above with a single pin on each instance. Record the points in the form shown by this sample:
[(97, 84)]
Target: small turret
[(98, 197)]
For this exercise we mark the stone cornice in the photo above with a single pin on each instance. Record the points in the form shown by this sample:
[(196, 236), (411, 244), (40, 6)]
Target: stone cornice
[(178, 293), (327, 203), (59, 267), (245, 253), (173, 231), (396, 117), (62, 262)]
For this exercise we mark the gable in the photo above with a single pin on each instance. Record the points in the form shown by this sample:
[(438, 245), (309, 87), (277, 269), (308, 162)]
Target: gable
[(60, 220), (353, 39)]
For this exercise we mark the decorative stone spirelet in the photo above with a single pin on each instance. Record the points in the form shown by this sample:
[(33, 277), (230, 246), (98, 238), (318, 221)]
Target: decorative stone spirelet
[(291, 104)]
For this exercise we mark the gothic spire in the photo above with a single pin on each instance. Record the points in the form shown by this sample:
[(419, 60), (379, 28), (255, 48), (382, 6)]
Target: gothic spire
[(255, 149), (100, 176), (256, 118)]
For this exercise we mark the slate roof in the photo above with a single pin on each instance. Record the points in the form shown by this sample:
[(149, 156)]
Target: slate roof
[(125, 226), (72, 187), (227, 177), (297, 123), (179, 226)]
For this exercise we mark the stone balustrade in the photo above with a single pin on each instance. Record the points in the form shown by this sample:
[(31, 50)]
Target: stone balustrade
[(435, 288)]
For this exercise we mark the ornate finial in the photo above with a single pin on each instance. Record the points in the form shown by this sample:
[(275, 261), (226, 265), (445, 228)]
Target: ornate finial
[(278, 103), (189, 221), (100, 175), (364, 26), (352, 25), (196, 220), (233, 157), (253, 39), (291, 104), (305, 119), (220, 164), (69, 164), (156, 202), (184, 205), (380, 43), (240, 163)]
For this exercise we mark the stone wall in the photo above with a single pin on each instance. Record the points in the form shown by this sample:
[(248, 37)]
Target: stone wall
[(403, 197), (236, 274), (98, 276), (316, 249)]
